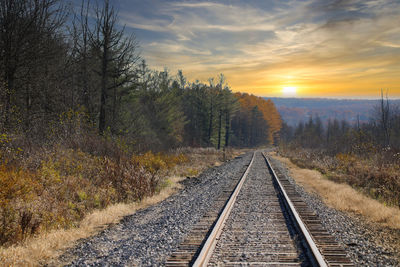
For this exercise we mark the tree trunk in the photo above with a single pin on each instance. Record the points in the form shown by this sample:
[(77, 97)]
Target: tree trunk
[(227, 128), (104, 70), (211, 122), (9, 77), (114, 109), (102, 116), (219, 128)]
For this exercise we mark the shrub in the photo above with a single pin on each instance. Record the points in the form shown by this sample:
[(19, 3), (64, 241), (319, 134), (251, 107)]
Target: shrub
[(17, 193), (57, 188), (376, 175)]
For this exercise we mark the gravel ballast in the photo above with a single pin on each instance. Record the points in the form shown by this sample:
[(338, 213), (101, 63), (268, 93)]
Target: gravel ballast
[(148, 237), (362, 241), (257, 232)]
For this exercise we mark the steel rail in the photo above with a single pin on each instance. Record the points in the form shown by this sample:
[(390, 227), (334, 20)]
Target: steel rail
[(209, 245), (310, 241)]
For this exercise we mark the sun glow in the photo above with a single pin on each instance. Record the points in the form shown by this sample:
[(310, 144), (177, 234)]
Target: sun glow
[(289, 90)]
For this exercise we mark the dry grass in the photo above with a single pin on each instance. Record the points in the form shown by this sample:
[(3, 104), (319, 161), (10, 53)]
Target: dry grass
[(203, 158), (376, 175), (343, 197), (40, 250), (46, 247)]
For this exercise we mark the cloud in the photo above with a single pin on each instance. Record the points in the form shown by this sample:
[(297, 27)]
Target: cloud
[(197, 4), (202, 29), (310, 41)]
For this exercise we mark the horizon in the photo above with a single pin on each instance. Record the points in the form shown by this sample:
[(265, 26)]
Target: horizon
[(333, 98)]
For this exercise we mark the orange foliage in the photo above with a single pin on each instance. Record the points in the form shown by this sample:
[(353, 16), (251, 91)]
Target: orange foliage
[(267, 108)]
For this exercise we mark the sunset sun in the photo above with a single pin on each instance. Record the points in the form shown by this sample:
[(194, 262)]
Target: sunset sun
[(289, 90)]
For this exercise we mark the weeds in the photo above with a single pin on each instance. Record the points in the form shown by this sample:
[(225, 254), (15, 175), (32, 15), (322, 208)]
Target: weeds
[(375, 174), (66, 184), (343, 197), (89, 191), (55, 185)]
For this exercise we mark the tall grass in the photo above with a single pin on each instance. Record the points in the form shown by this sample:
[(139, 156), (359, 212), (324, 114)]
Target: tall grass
[(54, 181), (376, 174), (55, 188), (171, 168)]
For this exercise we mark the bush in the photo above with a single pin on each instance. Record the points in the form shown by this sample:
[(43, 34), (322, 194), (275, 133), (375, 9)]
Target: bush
[(56, 187), (376, 175), (17, 195)]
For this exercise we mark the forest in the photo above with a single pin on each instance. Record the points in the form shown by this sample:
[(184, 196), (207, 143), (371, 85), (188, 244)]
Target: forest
[(365, 155), (85, 122), (64, 73)]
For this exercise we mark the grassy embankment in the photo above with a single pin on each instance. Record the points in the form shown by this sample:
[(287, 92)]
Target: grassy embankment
[(49, 199), (339, 189), (375, 175), (337, 193)]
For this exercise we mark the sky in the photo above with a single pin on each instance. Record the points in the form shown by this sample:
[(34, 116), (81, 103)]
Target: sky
[(308, 48)]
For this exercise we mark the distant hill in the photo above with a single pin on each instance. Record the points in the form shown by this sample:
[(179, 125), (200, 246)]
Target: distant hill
[(294, 110)]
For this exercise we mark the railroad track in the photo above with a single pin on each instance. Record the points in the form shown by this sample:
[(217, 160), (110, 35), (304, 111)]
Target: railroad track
[(259, 220)]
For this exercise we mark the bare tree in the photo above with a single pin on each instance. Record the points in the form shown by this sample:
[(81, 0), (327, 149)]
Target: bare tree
[(27, 28), (117, 54), (385, 118), (81, 49)]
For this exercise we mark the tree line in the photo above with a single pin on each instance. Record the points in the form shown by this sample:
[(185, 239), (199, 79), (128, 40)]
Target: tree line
[(365, 155), (381, 132), (69, 72)]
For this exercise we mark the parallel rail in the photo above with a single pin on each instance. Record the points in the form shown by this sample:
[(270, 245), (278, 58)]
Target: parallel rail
[(209, 245), (319, 246), (190, 249), (316, 254)]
